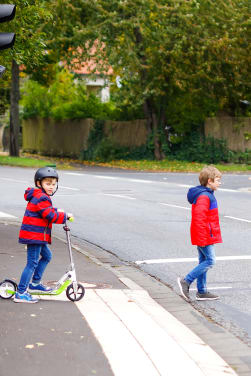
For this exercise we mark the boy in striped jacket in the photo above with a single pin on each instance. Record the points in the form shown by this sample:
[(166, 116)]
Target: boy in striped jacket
[(35, 232)]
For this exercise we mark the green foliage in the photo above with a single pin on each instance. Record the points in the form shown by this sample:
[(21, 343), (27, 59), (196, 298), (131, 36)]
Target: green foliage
[(240, 157), (29, 46), (34, 108), (181, 60), (193, 148), (101, 147), (63, 99), (95, 136), (196, 148)]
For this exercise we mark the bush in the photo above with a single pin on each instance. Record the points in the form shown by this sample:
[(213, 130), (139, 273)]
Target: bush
[(101, 147), (64, 99), (197, 148)]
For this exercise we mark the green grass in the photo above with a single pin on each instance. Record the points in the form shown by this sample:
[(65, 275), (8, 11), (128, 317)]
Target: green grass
[(36, 161), (174, 166), (33, 161)]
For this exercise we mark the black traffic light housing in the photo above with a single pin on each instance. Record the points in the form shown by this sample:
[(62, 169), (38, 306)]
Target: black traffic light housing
[(7, 13)]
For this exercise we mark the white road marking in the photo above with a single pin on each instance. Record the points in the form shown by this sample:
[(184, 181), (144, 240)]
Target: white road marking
[(73, 173), (187, 208), (175, 206), (247, 190), (71, 189), (120, 196), (5, 215), (106, 177), (15, 180), (228, 190), (139, 327), (237, 219), (142, 181), (191, 259), (184, 185)]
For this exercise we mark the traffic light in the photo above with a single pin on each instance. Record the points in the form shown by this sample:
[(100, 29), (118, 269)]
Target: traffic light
[(7, 13)]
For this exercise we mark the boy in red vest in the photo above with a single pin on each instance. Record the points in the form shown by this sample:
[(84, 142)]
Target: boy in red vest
[(35, 232), (204, 230)]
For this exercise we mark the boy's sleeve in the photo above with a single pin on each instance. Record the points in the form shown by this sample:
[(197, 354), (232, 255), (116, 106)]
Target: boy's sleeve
[(49, 213), (200, 218)]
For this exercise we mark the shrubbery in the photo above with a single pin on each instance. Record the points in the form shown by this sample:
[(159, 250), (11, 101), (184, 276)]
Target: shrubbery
[(67, 99), (194, 148), (64, 99)]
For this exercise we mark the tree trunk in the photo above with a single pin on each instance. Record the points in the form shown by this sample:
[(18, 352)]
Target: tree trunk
[(152, 120), (152, 127), (14, 110)]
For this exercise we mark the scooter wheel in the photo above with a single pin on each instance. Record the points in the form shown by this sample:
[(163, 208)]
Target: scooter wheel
[(75, 297), (6, 285)]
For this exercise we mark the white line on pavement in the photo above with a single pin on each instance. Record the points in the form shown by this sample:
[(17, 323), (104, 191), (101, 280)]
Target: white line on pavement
[(73, 173), (5, 215), (141, 181), (139, 327), (105, 177), (175, 206), (72, 189), (228, 190), (115, 338), (120, 196), (237, 219), (184, 185), (191, 259), (15, 180), (187, 208)]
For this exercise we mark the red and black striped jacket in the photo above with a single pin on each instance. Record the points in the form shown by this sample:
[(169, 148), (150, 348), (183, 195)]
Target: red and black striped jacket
[(38, 218)]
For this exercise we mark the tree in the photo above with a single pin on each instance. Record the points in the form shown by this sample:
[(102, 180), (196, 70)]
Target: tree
[(163, 50), (28, 51)]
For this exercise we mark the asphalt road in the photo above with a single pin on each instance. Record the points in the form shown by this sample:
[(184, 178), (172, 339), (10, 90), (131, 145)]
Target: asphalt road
[(144, 219)]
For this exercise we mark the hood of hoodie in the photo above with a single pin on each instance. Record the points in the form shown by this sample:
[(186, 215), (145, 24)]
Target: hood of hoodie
[(194, 192), (31, 192)]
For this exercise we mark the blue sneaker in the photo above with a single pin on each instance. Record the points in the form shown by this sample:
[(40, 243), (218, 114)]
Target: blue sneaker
[(40, 288), (24, 298)]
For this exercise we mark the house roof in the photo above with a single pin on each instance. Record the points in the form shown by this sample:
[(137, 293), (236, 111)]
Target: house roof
[(89, 67)]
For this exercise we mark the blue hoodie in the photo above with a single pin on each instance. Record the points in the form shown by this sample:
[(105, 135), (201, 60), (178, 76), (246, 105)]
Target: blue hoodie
[(195, 192)]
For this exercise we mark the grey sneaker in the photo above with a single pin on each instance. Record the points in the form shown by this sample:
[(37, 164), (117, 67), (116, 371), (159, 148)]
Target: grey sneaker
[(184, 288), (206, 296)]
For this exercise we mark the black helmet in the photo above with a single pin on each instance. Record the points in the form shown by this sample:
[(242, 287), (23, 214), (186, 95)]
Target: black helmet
[(45, 172)]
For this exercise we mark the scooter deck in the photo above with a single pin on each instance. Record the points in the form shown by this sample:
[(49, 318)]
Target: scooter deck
[(53, 292)]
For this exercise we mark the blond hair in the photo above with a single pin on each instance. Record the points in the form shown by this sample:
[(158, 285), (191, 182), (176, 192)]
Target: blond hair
[(209, 172)]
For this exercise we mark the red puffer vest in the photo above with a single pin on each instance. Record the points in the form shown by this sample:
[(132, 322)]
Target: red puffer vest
[(205, 226), (38, 218)]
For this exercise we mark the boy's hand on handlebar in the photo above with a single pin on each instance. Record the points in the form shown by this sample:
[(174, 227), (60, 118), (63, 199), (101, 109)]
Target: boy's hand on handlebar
[(70, 216)]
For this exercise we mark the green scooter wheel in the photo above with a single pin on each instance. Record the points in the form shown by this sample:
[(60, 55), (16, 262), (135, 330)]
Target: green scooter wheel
[(75, 297), (7, 289)]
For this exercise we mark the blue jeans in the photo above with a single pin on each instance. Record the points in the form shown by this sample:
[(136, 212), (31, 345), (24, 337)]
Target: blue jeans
[(206, 261), (35, 266)]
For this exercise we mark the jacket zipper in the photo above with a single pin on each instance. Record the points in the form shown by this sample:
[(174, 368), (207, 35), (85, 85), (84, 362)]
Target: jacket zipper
[(210, 228), (45, 233)]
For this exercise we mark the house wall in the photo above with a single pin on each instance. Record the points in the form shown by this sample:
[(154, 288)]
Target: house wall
[(236, 131)]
